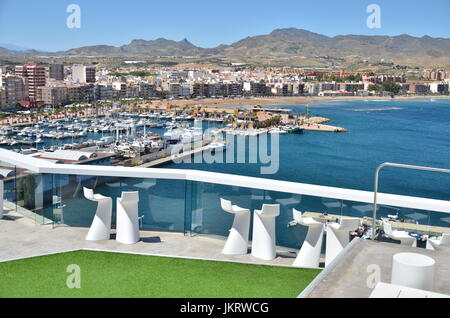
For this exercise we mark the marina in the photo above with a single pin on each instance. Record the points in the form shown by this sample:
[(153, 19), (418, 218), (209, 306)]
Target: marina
[(139, 138)]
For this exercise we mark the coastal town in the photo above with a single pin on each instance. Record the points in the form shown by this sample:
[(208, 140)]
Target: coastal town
[(34, 85), (46, 108)]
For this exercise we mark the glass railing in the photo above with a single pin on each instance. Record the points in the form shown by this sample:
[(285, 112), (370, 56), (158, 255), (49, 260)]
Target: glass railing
[(180, 204), (161, 202), (8, 175), (193, 207), (24, 191)]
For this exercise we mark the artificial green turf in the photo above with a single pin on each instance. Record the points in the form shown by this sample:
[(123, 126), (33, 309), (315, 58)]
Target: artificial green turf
[(105, 274)]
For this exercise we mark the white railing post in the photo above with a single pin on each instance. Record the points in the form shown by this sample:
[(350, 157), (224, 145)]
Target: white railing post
[(395, 165)]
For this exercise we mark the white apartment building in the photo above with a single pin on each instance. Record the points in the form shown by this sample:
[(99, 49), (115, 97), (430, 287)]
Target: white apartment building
[(297, 88), (83, 74), (439, 88), (119, 89), (196, 75), (247, 87), (312, 88)]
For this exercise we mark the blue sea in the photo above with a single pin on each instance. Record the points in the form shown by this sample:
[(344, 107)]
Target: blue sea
[(413, 132)]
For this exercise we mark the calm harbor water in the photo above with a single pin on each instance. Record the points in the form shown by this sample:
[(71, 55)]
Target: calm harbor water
[(411, 132)]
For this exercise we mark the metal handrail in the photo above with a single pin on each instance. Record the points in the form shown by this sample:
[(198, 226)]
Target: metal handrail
[(395, 165)]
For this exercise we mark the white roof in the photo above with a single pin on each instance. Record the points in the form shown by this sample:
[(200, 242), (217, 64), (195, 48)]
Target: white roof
[(32, 155), (6, 172), (68, 155), (52, 160)]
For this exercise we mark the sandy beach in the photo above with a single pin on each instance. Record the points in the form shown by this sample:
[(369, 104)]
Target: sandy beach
[(210, 103), (302, 100)]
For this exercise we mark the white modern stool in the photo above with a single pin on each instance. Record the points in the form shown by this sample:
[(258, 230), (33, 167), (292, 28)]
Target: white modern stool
[(127, 223), (101, 225), (439, 243), (263, 241), (309, 254), (401, 236), (237, 242), (338, 237), (413, 270)]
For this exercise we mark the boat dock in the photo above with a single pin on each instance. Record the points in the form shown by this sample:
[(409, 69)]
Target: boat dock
[(170, 158), (244, 132), (323, 128)]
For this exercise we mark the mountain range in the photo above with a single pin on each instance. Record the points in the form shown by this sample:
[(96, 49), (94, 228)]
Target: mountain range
[(280, 44)]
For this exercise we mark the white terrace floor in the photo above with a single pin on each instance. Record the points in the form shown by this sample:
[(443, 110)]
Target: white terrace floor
[(348, 276), (20, 237)]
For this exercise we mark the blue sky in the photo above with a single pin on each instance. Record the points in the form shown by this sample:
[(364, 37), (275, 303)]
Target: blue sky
[(41, 24)]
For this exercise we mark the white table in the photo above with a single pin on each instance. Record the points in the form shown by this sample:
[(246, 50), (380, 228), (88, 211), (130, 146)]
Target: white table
[(383, 290), (413, 270)]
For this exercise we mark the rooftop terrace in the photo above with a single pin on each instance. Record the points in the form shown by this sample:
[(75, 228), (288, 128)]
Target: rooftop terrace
[(348, 276), (162, 264), (183, 218)]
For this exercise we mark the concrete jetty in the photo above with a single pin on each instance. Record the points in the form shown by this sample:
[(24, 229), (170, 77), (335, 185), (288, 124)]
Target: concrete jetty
[(322, 128), (171, 158)]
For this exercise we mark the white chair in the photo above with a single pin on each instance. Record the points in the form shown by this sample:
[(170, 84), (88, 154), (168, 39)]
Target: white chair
[(237, 242), (263, 241), (401, 236), (101, 225), (309, 254), (127, 227), (438, 243), (338, 237)]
